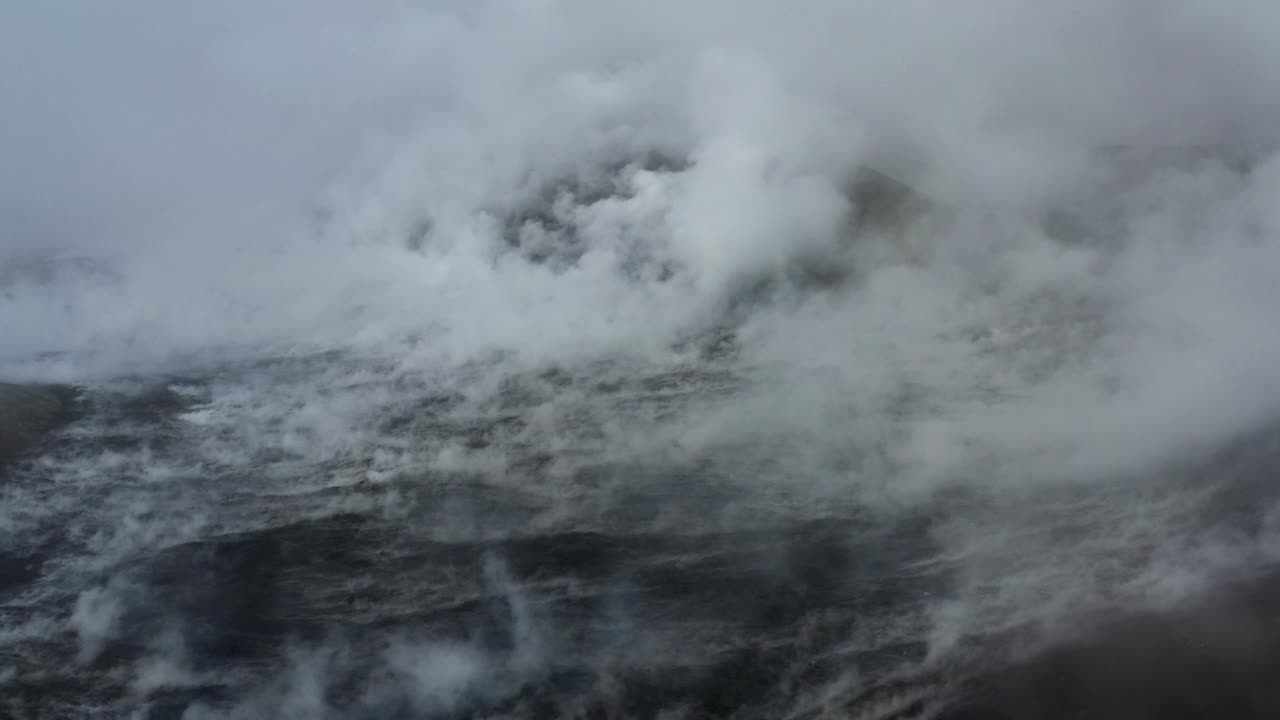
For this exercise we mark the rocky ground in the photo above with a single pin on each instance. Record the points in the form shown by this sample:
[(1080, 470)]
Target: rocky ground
[(253, 598)]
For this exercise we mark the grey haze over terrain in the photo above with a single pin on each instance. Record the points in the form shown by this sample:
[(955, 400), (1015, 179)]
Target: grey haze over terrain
[(553, 358)]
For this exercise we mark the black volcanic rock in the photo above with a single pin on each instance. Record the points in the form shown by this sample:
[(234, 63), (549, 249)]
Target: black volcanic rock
[(27, 414), (1215, 659)]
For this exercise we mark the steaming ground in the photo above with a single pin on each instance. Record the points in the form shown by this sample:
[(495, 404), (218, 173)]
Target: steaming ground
[(551, 360)]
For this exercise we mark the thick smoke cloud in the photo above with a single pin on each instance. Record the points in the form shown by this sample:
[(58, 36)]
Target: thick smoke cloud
[(562, 181), (190, 152)]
